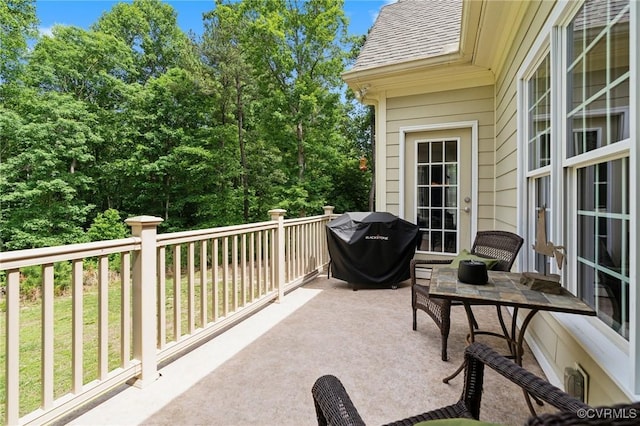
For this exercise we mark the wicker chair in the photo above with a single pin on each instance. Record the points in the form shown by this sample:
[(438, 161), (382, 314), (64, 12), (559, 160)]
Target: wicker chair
[(501, 245), (334, 406)]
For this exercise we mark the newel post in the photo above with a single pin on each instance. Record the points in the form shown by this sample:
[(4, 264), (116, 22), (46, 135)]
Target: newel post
[(278, 215), (144, 296), (326, 260), (328, 211)]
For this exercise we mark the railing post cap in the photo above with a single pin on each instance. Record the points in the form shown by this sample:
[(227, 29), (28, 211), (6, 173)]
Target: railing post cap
[(277, 212), (328, 207), (144, 220)]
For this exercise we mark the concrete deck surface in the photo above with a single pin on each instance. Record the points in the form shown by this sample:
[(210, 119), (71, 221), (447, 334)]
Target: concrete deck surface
[(261, 371)]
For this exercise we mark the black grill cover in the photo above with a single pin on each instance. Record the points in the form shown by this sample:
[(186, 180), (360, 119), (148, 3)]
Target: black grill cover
[(371, 248)]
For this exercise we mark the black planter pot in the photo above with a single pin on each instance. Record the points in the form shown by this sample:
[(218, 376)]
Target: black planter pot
[(472, 272)]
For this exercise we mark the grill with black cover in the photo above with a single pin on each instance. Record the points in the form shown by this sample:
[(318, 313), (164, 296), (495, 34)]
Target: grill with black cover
[(371, 247)]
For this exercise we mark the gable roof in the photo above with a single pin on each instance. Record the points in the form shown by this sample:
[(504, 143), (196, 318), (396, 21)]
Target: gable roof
[(410, 30)]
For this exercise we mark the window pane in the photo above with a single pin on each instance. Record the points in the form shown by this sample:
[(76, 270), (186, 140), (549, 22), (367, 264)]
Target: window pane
[(539, 120), (603, 223), (423, 197), (598, 76), (450, 242), (595, 72), (423, 153), (423, 176), (450, 219), (619, 117), (542, 263), (451, 197), (451, 151), (436, 152), (452, 174), (436, 174), (436, 219), (423, 218), (436, 197)]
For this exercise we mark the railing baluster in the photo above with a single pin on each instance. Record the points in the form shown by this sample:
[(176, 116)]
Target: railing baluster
[(225, 276), (260, 270), (243, 268), (204, 293), (277, 250), (177, 293), (234, 275), (268, 279), (299, 245), (125, 306), (162, 298), (77, 335), (12, 388), (47, 336), (252, 254), (288, 253), (103, 317), (191, 283), (305, 249), (216, 280)]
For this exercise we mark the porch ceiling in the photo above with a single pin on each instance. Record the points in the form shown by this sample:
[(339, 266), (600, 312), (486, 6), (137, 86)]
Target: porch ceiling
[(261, 371), (487, 32)]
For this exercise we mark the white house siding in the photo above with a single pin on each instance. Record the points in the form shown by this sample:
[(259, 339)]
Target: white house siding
[(475, 104), (554, 345)]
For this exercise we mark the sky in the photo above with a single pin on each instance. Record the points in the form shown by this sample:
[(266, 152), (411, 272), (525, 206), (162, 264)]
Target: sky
[(83, 13)]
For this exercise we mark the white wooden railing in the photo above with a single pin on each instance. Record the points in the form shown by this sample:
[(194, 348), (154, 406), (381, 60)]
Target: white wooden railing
[(125, 322)]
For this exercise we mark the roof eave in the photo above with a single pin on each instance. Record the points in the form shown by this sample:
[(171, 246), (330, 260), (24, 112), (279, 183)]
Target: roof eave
[(391, 70)]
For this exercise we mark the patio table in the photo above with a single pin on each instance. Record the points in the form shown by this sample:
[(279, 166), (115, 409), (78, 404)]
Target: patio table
[(503, 289)]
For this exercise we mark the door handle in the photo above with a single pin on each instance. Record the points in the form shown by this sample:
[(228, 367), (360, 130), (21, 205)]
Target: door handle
[(466, 209)]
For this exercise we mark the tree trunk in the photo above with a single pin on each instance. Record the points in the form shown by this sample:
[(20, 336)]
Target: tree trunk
[(301, 164), (243, 154)]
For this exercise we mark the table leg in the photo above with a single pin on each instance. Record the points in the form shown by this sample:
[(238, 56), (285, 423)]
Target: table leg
[(470, 339), (520, 352), (515, 343)]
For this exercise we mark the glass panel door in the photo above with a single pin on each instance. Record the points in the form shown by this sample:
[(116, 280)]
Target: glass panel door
[(437, 195)]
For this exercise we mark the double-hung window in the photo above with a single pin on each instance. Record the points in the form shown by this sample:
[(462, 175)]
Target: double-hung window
[(597, 156), (538, 101), (577, 143)]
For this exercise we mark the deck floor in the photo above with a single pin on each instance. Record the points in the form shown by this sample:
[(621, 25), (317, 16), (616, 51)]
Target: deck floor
[(261, 371)]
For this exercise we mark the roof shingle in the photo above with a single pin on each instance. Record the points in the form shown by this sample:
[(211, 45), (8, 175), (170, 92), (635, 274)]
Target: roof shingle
[(410, 30)]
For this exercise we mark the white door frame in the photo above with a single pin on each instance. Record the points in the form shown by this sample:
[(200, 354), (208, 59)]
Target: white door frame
[(473, 125)]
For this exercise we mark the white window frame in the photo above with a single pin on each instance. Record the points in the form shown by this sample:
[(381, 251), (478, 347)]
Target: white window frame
[(616, 356), (529, 176)]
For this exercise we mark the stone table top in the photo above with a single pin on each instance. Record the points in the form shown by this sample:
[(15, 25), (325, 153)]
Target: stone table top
[(503, 288)]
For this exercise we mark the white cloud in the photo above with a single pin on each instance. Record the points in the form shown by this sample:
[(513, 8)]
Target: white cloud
[(46, 31)]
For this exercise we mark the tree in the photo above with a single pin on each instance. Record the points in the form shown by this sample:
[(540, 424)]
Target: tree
[(150, 29), (132, 115), (107, 226), (91, 66), (88, 65), (225, 58), (175, 161), (44, 172), (18, 23), (296, 51)]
